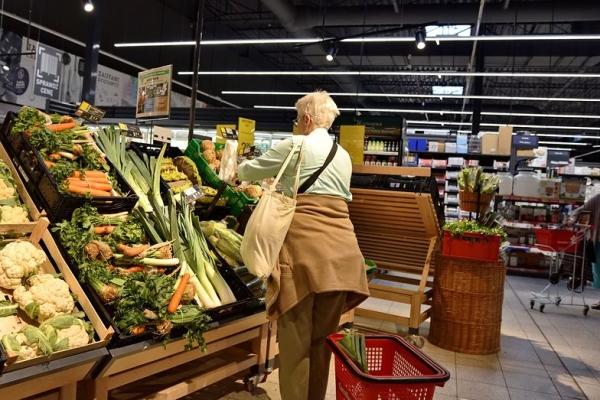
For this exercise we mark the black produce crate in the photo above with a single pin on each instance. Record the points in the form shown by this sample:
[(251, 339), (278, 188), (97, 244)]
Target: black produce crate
[(242, 307), (154, 151), (7, 125), (364, 181), (39, 180)]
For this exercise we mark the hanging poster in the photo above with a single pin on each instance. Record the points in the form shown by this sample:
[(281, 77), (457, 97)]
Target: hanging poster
[(154, 93), (245, 135), (48, 67)]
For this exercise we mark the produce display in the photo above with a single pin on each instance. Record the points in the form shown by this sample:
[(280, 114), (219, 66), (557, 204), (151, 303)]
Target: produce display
[(12, 211), (37, 313), (69, 151), (226, 243)]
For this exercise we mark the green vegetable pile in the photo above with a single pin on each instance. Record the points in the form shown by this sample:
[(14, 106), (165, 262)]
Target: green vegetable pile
[(353, 344), (459, 228), (474, 179)]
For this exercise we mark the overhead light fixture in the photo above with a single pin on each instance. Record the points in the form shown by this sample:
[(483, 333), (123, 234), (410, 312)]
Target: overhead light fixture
[(418, 96), (331, 52), (581, 128), (5, 67), (420, 39), (386, 39), (439, 74), (88, 5), (569, 143), (423, 111)]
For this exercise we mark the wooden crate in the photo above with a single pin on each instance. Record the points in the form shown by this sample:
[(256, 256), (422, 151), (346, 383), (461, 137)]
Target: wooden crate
[(40, 236), (399, 231), (34, 213)]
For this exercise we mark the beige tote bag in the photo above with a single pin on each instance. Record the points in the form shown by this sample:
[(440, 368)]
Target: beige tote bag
[(268, 225)]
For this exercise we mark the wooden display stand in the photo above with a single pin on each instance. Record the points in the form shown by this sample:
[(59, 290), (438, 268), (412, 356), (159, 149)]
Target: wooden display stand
[(231, 348), (399, 231)]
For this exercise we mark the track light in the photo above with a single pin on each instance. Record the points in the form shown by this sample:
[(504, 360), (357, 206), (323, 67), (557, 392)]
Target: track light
[(420, 39), (331, 52), (88, 5)]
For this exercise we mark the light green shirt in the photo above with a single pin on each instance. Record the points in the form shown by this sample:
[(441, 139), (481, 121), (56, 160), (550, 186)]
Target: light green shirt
[(333, 181)]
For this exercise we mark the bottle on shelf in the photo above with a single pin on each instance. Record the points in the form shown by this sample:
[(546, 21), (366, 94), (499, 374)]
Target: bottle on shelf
[(505, 187)]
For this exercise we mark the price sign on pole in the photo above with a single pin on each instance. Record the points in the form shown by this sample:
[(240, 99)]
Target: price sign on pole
[(223, 132), (132, 131), (245, 135), (89, 112)]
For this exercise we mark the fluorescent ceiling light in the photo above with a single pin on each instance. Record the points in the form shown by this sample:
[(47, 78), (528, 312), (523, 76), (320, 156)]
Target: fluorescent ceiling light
[(396, 73), (554, 135), (424, 111), (562, 148), (438, 123), (570, 143), (419, 96), (578, 128), (387, 39)]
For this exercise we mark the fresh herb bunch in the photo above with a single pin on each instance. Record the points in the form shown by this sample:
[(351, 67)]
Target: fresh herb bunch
[(144, 300), (28, 118), (458, 228), (474, 179)]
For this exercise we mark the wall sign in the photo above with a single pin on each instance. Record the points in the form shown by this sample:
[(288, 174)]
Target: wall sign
[(154, 93)]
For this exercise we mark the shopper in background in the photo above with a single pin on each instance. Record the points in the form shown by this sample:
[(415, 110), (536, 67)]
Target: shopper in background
[(593, 207), (320, 273)]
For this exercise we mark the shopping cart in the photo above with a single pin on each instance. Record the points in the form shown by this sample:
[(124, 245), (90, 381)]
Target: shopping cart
[(559, 243), (397, 371)]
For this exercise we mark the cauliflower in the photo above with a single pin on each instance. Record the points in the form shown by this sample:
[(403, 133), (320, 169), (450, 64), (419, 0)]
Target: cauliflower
[(29, 342), (13, 214), (47, 296), (67, 332), (6, 192), (19, 260)]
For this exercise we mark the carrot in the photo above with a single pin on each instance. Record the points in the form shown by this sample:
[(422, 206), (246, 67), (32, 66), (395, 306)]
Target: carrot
[(84, 190), (100, 179), (132, 251), (104, 229), (136, 330), (87, 173), (176, 299), (110, 267), (54, 156), (107, 187), (49, 163), (61, 127), (134, 268)]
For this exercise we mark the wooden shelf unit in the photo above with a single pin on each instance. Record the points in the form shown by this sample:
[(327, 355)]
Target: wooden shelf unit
[(399, 231)]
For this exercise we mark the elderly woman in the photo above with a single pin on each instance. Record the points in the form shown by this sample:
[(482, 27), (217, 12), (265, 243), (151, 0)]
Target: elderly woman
[(320, 273)]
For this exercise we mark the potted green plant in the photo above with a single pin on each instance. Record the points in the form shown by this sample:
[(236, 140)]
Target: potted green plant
[(476, 189), (476, 240)]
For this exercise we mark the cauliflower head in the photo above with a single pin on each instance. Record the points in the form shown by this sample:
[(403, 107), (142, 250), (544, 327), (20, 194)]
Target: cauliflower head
[(6, 192), (19, 260), (13, 214), (46, 297), (67, 332)]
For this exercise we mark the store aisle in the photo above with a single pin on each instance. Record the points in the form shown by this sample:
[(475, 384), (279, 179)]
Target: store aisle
[(547, 356)]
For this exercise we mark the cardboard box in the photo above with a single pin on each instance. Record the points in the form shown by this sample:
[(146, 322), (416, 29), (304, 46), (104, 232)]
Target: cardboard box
[(525, 153), (489, 143), (549, 188), (573, 188), (441, 147), (433, 146), (462, 148), (504, 139), (450, 147)]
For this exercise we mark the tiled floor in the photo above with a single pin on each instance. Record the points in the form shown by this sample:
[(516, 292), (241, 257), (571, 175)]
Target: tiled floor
[(546, 356)]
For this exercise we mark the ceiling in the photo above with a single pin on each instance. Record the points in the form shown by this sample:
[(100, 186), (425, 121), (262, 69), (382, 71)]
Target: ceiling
[(174, 20)]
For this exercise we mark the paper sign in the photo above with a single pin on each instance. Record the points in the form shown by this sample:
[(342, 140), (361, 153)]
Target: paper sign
[(154, 93), (89, 112), (132, 131), (192, 194), (352, 139), (221, 129), (245, 135), (160, 134)]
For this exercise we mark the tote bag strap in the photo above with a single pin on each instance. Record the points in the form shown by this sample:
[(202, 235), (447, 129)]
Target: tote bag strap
[(285, 164)]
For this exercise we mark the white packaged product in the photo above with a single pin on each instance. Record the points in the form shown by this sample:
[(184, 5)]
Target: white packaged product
[(526, 184), (505, 187)]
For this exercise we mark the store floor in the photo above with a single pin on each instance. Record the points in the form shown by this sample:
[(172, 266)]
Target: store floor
[(547, 356)]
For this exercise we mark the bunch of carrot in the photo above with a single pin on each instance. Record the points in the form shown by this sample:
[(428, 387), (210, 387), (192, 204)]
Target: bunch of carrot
[(93, 182)]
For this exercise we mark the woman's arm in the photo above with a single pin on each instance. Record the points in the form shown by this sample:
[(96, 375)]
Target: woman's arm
[(267, 165), (590, 205)]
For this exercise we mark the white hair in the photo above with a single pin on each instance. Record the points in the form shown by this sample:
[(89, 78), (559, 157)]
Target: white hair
[(320, 106)]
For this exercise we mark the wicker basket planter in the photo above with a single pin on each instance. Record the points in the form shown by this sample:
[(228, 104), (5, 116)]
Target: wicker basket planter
[(466, 311), (468, 201)]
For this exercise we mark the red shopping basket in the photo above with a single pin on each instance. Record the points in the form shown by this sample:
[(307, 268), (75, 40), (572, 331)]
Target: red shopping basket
[(559, 240), (397, 371)]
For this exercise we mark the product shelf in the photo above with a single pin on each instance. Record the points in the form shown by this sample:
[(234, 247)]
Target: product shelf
[(539, 200)]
